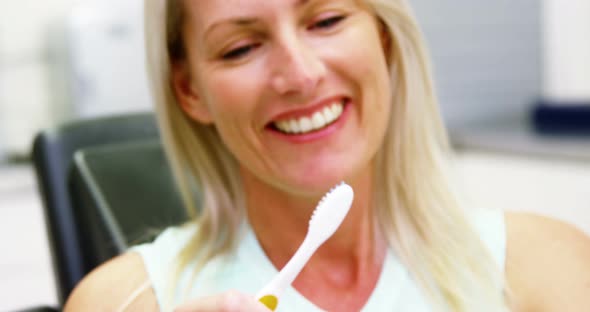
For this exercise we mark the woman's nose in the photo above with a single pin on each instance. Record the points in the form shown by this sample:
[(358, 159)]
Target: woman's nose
[(298, 69)]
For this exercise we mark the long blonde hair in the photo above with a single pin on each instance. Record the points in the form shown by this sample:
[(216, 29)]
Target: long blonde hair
[(415, 206)]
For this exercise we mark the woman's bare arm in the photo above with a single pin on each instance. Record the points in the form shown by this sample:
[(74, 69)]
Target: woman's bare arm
[(120, 284), (547, 264)]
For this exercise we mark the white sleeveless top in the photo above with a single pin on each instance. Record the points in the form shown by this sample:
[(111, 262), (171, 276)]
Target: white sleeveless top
[(248, 270)]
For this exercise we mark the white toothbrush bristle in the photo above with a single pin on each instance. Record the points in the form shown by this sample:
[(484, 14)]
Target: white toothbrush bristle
[(330, 211)]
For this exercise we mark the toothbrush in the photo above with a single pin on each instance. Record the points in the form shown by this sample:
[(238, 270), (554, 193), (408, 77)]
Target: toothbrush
[(326, 218)]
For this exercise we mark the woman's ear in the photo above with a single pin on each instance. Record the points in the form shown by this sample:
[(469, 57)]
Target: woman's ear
[(186, 94)]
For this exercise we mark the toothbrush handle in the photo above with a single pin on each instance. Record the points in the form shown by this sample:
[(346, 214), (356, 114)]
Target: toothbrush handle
[(290, 271)]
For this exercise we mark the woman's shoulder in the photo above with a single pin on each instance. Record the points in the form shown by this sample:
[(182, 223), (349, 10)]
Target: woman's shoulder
[(547, 264), (129, 279), (119, 284)]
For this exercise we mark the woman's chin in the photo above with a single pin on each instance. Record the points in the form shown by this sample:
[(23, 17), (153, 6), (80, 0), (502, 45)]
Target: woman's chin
[(324, 173), (314, 184), (311, 178)]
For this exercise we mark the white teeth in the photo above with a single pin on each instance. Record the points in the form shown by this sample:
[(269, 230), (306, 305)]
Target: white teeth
[(293, 126), (305, 124), (337, 109), (283, 125), (328, 114), (317, 121)]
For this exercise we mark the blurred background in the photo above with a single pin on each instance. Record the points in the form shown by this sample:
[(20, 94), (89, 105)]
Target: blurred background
[(507, 72)]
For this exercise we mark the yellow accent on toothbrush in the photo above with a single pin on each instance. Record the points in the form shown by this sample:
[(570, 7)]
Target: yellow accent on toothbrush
[(270, 302), (326, 218)]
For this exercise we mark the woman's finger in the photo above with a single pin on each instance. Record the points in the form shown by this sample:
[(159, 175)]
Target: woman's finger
[(231, 301)]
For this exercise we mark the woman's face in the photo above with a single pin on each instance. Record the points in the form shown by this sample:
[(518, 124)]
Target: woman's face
[(299, 90)]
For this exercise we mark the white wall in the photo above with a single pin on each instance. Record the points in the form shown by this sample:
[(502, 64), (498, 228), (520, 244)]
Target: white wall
[(550, 187), (106, 59), (487, 56), (24, 65), (567, 50), (65, 59)]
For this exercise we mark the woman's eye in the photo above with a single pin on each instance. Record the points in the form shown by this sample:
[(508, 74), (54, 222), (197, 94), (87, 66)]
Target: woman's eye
[(327, 22), (239, 52)]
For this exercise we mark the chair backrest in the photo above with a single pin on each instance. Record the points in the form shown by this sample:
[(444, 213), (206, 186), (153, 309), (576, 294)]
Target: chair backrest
[(124, 195), (52, 157)]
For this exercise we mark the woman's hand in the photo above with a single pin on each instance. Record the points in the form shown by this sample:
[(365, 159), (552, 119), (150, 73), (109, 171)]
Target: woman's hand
[(227, 302)]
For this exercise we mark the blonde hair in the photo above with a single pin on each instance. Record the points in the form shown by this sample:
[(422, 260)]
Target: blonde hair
[(415, 205)]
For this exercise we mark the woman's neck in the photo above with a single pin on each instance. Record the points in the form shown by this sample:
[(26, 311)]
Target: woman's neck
[(350, 259)]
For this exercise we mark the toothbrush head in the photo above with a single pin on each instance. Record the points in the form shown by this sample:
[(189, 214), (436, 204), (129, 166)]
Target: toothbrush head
[(330, 212), (326, 218)]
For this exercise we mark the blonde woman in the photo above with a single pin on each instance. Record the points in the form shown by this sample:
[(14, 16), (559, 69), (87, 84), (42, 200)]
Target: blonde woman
[(237, 85)]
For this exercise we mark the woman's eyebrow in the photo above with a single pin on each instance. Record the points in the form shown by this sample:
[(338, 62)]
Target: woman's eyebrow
[(243, 20), (239, 21)]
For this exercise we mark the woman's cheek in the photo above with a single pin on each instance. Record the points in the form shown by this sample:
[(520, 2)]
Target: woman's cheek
[(231, 94)]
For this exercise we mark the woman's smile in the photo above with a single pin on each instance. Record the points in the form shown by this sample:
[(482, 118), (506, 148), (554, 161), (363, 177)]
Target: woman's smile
[(312, 123)]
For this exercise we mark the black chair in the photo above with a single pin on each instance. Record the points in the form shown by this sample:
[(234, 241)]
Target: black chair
[(52, 157), (124, 194)]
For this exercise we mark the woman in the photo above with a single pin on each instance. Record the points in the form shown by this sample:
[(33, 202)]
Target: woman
[(264, 106)]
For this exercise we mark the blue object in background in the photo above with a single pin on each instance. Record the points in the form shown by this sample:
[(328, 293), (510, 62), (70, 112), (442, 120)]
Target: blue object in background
[(562, 119)]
